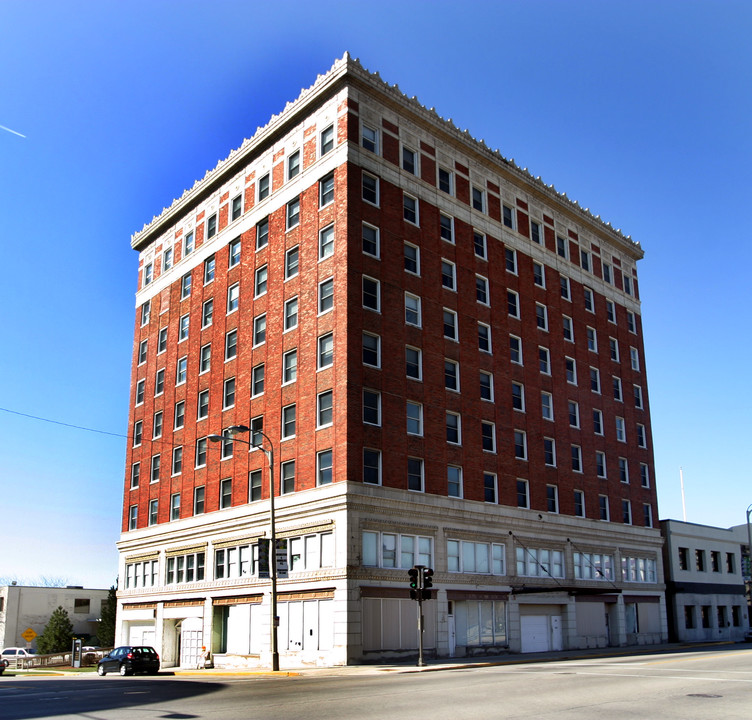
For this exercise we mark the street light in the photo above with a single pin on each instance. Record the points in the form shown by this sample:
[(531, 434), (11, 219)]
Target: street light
[(749, 546), (231, 432)]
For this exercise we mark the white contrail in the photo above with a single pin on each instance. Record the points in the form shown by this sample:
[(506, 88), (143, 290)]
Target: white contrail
[(2, 127)]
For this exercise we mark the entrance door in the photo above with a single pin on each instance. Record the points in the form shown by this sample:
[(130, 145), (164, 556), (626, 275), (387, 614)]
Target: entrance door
[(452, 635), (310, 625), (556, 643), (191, 641), (295, 626)]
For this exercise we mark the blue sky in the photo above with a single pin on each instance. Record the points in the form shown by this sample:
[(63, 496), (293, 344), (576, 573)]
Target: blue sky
[(638, 110)]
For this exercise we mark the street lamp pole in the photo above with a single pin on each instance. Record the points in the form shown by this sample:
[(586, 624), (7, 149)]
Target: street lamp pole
[(231, 432), (749, 545)]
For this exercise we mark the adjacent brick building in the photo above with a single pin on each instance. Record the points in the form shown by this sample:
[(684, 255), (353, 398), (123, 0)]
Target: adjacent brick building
[(447, 356)]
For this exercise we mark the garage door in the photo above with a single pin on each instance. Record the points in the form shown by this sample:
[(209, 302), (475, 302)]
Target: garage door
[(535, 633)]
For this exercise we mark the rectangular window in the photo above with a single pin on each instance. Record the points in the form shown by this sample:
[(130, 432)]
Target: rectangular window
[(513, 304), (409, 160), (454, 481), (448, 275), (595, 380), (544, 361), (140, 387), (237, 207), (589, 303), (535, 233), (133, 517), (259, 330), (175, 506), (488, 436), (510, 260), (324, 467), (549, 452), (262, 233), (585, 260), (565, 290), (451, 375), (293, 165), (610, 311), (370, 189), (515, 349), (541, 317), (600, 464), (228, 395), (264, 187), (327, 139), (370, 242), (520, 444), (576, 458), (523, 496), (211, 226), (179, 414), (371, 466), (234, 253), (644, 475), (415, 474), (167, 260), (486, 386), (574, 413), (616, 383), (157, 428), (450, 324), (138, 430), (621, 433), (479, 244), (683, 558), (188, 244), (631, 322), (135, 475), (484, 337), (539, 275), (326, 242), (209, 269), (412, 310), (369, 139), (198, 501), (626, 512), (162, 340), (570, 370), (289, 367), (481, 290), (518, 396), (446, 227), (490, 494), (225, 493), (291, 262), (411, 259), (453, 428), (325, 409), (142, 351), (371, 294), (203, 405), (371, 407), (478, 199), (371, 350), (413, 363), (579, 503), (603, 510), (634, 359), (257, 380), (700, 560), (410, 209), (325, 351), (207, 313), (446, 181), (326, 295), (568, 328), (641, 437), (552, 498), (414, 418), (288, 421), (181, 370), (509, 217), (547, 406), (293, 213), (291, 314), (562, 247), (177, 460), (183, 328), (233, 297)]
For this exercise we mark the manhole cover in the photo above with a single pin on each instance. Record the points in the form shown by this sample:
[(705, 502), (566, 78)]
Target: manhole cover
[(703, 695)]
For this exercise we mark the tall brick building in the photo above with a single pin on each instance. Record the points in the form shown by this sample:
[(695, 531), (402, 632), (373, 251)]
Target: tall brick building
[(447, 357)]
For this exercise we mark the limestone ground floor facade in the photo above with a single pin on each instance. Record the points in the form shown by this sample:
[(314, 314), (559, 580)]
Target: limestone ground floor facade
[(506, 580)]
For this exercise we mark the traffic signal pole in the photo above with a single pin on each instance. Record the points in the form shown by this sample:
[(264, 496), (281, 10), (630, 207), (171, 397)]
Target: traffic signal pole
[(421, 583)]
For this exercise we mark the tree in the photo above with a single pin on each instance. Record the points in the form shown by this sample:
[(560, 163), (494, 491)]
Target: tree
[(57, 636), (106, 626)]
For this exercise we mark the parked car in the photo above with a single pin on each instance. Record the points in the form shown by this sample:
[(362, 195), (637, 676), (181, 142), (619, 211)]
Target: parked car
[(129, 659), (13, 652), (3, 665)]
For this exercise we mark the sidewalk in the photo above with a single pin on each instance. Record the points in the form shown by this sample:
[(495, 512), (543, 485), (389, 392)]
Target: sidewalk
[(439, 664)]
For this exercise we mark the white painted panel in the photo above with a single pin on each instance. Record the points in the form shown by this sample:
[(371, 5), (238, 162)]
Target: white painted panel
[(535, 633), (238, 629)]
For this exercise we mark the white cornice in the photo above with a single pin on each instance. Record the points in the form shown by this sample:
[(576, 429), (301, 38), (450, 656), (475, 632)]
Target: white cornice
[(352, 66)]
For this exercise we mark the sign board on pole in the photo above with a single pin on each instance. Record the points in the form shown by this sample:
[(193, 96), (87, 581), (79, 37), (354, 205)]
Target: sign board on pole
[(281, 553), (263, 558), (28, 634)]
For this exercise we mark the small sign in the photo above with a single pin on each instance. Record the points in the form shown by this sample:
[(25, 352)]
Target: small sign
[(281, 555), (263, 558), (28, 634)]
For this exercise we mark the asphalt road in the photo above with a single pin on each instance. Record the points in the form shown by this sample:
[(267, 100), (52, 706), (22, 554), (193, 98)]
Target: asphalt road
[(693, 685)]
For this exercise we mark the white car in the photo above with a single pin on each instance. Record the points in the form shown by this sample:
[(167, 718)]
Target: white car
[(13, 652)]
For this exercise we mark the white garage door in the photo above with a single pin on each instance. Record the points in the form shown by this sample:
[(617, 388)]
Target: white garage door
[(535, 633)]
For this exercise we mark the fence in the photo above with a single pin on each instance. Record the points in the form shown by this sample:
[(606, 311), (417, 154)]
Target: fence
[(88, 657)]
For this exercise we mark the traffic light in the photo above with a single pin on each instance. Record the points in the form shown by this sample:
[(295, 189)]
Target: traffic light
[(414, 589), (427, 583)]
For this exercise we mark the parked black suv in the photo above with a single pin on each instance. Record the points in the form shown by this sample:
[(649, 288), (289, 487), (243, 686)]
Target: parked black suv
[(130, 659)]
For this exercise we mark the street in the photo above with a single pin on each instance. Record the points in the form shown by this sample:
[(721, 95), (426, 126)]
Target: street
[(687, 685)]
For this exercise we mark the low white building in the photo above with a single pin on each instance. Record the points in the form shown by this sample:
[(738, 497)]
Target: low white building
[(705, 592), (23, 607)]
